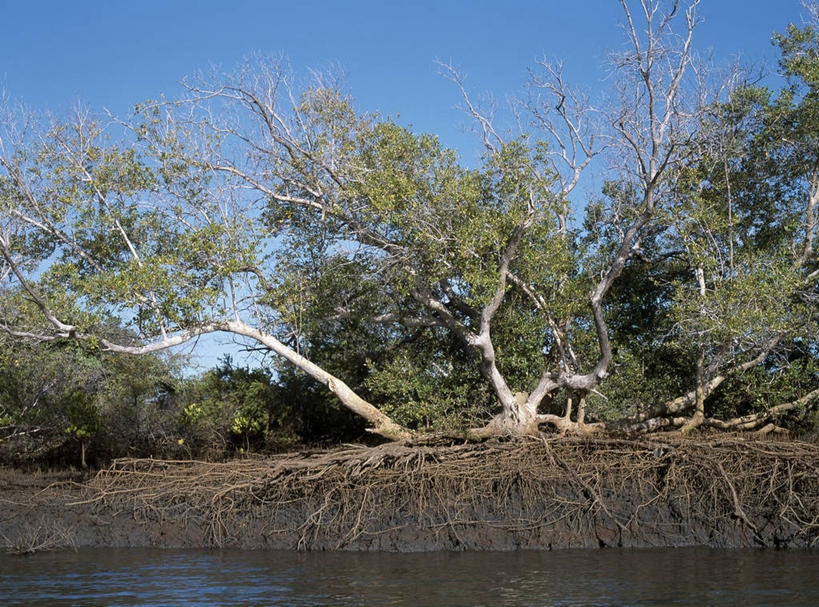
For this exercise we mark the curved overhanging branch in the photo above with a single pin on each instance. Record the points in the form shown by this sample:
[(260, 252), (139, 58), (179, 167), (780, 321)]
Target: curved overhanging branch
[(62, 327), (382, 423)]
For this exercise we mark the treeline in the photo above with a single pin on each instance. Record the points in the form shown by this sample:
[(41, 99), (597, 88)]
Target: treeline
[(380, 273), (69, 404)]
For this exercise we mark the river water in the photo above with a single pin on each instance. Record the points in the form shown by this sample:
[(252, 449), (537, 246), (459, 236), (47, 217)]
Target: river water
[(683, 576)]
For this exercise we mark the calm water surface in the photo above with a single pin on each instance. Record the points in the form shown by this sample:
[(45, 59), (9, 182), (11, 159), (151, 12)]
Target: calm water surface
[(612, 577)]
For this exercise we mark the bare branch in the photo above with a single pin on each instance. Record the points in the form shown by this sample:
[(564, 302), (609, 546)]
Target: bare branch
[(491, 139)]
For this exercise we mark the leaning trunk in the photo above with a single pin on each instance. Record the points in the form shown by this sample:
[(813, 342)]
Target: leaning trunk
[(382, 424)]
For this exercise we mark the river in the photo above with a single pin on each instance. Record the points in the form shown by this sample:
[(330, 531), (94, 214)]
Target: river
[(683, 576)]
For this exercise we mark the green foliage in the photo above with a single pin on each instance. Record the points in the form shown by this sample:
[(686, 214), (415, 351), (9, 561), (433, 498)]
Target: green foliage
[(237, 406), (64, 389), (333, 229), (82, 416), (429, 384)]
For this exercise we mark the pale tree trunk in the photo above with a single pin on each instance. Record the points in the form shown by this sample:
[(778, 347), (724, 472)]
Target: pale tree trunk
[(699, 389), (581, 411), (699, 403), (517, 418), (752, 421), (382, 424)]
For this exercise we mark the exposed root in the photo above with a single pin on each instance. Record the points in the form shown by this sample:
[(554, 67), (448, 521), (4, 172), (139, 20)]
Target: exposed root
[(39, 537), (692, 424), (531, 492)]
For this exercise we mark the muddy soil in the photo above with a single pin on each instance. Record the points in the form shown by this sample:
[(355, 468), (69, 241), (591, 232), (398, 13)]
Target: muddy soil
[(537, 494)]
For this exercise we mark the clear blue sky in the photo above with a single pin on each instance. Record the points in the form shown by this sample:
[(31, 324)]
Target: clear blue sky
[(114, 53)]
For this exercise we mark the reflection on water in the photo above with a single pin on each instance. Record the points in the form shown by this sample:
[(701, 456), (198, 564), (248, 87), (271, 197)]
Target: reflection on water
[(691, 576)]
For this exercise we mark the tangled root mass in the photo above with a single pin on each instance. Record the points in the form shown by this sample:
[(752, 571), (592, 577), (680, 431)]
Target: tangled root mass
[(537, 493)]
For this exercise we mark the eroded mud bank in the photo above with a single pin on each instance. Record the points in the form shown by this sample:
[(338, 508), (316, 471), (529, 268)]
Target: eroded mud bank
[(540, 494)]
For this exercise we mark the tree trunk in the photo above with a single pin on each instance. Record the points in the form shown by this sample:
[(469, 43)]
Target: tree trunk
[(382, 424), (699, 404), (581, 411), (517, 418)]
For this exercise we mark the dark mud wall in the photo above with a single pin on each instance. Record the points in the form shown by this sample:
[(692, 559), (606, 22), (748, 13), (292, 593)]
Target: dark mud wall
[(557, 493)]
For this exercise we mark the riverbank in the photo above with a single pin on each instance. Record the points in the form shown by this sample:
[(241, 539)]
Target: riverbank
[(727, 491)]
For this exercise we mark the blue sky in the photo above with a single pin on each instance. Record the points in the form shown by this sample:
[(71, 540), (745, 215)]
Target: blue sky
[(115, 53)]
